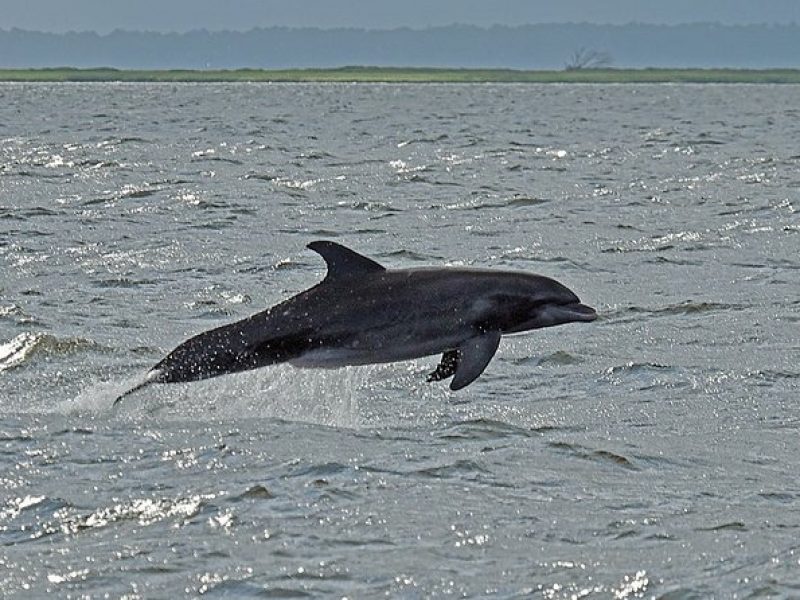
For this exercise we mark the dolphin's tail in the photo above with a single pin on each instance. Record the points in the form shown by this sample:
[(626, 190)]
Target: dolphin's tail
[(151, 377)]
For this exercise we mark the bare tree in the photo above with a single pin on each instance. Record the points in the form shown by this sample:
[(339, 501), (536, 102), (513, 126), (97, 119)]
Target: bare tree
[(584, 58)]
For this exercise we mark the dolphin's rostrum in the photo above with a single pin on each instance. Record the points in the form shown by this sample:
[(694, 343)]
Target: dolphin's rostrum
[(363, 313)]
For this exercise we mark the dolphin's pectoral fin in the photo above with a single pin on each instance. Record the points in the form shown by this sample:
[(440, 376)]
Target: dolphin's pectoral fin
[(447, 367), (468, 361), (343, 262), (473, 356)]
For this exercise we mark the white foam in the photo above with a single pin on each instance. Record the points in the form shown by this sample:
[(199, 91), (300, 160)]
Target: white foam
[(14, 352)]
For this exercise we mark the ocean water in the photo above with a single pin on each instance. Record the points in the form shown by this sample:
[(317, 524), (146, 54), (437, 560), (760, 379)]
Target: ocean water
[(653, 453)]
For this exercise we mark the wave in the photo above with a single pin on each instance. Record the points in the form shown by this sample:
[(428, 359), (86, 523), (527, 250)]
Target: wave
[(479, 204), (686, 308), (484, 429), (15, 313), (557, 358), (52, 516), (24, 347), (595, 455)]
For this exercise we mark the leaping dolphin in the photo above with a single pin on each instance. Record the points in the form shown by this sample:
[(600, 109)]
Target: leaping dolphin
[(363, 313)]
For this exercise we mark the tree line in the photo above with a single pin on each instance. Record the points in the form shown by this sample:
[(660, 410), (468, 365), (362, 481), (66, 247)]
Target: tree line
[(555, 46)]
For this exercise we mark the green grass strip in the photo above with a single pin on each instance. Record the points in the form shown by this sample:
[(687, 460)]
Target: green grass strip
[(408, 75)]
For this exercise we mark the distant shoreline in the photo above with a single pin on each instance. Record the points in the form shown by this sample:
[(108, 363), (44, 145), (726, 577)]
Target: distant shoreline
[(405, 75)]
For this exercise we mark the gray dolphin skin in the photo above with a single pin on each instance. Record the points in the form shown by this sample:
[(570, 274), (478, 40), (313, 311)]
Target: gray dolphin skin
[(363, 313)]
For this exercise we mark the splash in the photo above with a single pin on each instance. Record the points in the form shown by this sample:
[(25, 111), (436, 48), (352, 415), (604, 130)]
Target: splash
[(98, 397), (322, 397)]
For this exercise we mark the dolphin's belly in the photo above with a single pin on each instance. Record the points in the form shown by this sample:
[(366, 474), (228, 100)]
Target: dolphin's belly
[(355, 353)]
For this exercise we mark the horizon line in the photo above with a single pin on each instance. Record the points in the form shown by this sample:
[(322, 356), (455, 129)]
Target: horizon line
[(770, 25)]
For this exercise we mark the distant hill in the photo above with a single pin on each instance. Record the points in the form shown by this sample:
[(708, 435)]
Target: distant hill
[(523, 47)]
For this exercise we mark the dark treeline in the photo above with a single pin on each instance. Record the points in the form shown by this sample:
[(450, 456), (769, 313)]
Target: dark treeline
[(523, 47)]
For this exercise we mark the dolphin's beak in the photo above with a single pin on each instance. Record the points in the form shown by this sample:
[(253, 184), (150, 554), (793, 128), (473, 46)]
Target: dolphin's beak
[(579, 312), (556, 314)]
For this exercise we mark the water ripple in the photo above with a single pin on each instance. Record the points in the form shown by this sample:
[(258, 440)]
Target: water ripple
[(134, 216)]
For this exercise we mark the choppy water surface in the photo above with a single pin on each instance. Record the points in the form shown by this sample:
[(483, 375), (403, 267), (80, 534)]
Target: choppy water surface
[(653, 453)]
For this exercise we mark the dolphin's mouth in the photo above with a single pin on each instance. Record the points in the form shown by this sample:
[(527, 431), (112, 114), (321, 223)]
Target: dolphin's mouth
[(556, 314), (577, 312)]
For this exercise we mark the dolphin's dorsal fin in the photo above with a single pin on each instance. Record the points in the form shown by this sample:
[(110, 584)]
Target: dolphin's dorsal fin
[(343, 262)]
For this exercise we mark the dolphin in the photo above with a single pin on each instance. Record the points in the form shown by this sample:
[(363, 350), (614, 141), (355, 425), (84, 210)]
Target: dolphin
[(363, 313)]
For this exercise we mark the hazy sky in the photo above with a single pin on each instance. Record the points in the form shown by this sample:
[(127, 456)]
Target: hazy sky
[(185, 15)]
